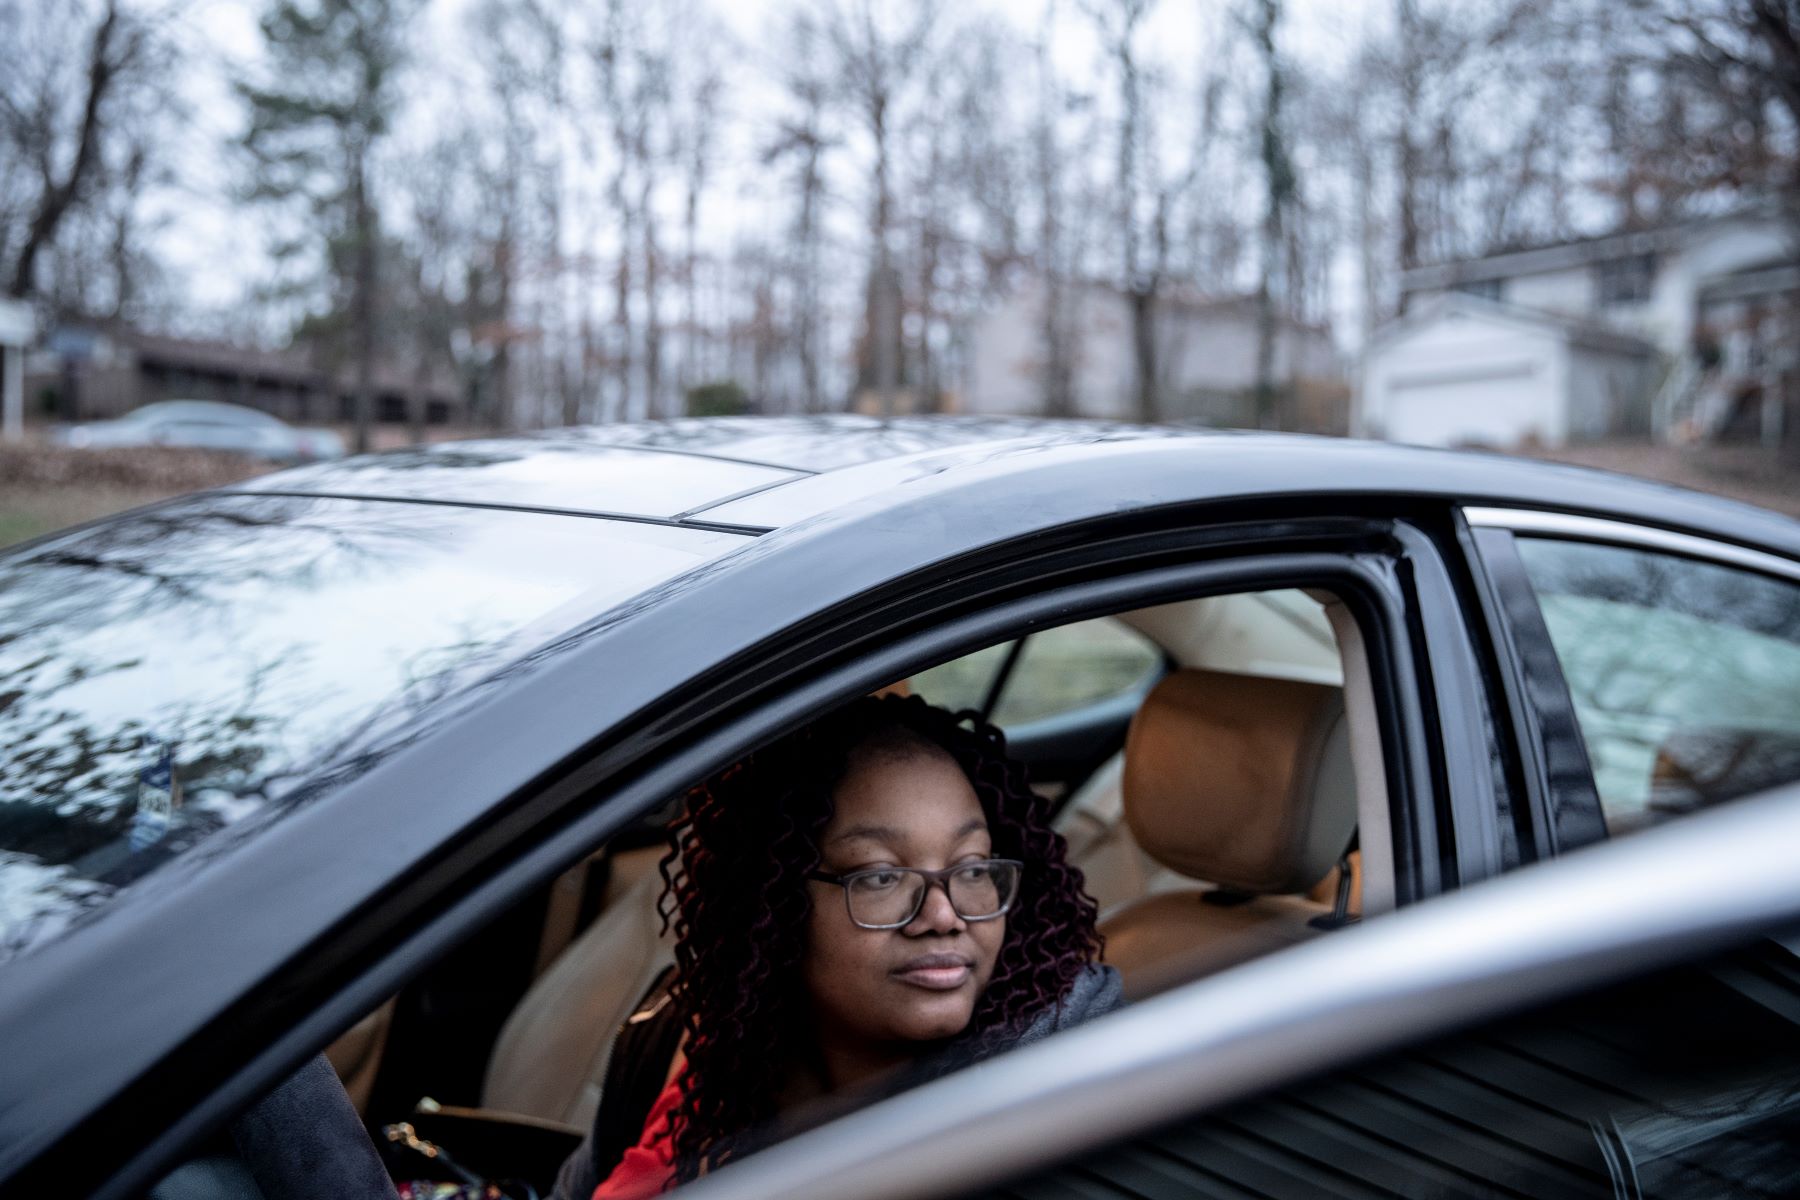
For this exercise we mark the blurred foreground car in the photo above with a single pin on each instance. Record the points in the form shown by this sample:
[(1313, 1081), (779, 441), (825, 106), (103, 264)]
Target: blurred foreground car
[(375, 754), (207, 425)]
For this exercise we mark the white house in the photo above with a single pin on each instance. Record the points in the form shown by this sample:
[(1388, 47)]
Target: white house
[(1648, 282), (1205, 354), (1620, 335), (1460, 370)]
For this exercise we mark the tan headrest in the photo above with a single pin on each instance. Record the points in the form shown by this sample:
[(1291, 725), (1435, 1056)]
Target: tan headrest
[(1241, 781)]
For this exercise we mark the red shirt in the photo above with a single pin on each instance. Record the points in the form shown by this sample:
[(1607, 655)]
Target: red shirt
[(648, 1167)]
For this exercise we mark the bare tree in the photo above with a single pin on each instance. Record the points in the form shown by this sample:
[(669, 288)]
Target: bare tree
[(700, 90), (1048, 158), (514, 276), (319, 112), (803, 136), (1738, 61), (612, 56), (879, 57), (1118, 23), (1279, 187), (77, 104)]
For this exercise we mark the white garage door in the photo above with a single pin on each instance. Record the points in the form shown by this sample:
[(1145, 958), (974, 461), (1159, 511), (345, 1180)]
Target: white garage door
[(1487, 406)]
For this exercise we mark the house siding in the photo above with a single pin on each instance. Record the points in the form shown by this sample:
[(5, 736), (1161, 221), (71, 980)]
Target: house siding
[(1206, 357)]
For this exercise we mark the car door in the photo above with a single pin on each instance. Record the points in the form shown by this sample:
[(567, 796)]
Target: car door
[(199, 433), (568, 745), (1658, 673), (1551, 1034)]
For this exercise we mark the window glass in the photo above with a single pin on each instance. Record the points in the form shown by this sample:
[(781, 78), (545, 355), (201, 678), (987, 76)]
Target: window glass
[(1072, 666), (1058, 671), (175, 672), (1685, 675), (962, 682), (1487, 289), (1628, 280)]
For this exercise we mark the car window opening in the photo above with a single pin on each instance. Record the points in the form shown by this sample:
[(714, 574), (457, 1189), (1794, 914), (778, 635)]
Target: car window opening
[(1212, 767)]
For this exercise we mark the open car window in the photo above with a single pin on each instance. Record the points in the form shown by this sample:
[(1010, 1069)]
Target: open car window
[(537, 1004)]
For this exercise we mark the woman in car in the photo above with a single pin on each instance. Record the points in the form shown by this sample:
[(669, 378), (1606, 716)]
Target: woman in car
[(866, 903)]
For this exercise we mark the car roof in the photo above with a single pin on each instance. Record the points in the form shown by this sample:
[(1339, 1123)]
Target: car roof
[(756, 474), (203, 408)]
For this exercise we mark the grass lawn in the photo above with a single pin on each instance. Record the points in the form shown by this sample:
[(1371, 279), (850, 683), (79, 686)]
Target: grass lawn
[(26, 512), (46, 488)]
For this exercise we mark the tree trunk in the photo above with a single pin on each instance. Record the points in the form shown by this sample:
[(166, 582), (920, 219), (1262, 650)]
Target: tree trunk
[(690, 349), (884, 333), (622, 323), (503, 417), (1059, 390), (812, 388), (653, 397), (1143, 335), (57, 196), (363, 305), (416, 404), (1058, 382), (1278, 189), (1406, 145), (884, 290)]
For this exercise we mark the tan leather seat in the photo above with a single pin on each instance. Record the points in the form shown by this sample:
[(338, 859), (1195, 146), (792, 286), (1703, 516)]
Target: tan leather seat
[(1242, 784), (550, 1059), (1115, 870), (356, 1054)]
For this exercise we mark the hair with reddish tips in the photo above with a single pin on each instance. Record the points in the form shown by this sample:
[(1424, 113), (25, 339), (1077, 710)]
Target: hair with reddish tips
[(737, 899)]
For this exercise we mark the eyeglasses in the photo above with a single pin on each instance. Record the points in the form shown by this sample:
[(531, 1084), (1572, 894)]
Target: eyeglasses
[(889, 897)]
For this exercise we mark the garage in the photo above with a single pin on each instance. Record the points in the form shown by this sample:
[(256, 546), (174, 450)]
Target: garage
[(1463, 371)]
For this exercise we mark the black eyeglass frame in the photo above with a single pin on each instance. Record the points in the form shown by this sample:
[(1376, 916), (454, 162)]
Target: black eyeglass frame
[(940, 878)]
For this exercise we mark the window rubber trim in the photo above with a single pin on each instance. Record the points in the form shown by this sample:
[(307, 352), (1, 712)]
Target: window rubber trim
[(1570, 527), (1565, 805)]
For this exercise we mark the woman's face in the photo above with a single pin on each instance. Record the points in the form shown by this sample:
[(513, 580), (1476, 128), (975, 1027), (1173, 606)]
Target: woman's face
[(874, 990)]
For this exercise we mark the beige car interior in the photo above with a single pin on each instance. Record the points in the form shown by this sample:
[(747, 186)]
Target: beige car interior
[(1218, 833)]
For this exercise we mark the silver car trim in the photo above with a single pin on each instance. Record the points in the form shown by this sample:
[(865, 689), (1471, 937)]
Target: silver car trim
[(1596, 529), (1542, 932)]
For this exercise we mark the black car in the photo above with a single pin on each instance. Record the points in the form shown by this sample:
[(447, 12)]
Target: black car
[(375, 753)]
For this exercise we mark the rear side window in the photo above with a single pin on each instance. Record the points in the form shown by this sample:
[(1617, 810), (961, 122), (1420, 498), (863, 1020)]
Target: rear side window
[(173, 673), (1046, 674), (1685, 675)]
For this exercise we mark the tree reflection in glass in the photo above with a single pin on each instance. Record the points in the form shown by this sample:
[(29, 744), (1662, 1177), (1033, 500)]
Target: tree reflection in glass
[(182, 670)]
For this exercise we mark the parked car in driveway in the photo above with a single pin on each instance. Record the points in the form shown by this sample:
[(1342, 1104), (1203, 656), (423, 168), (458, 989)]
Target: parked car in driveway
[(207, 425), (374, 754)]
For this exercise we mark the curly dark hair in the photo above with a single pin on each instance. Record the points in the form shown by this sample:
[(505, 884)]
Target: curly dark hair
[(737, 898)]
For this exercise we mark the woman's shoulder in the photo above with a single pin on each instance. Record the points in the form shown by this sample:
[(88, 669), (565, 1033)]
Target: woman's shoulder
[(1094, 993)]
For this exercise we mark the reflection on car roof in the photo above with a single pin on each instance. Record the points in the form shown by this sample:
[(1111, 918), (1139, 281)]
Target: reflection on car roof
[(754, 474)]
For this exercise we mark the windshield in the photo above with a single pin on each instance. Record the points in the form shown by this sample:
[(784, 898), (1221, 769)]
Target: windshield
[(167, 675)]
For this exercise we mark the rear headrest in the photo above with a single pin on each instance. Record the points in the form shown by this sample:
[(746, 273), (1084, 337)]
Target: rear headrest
[(1241, 781)]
